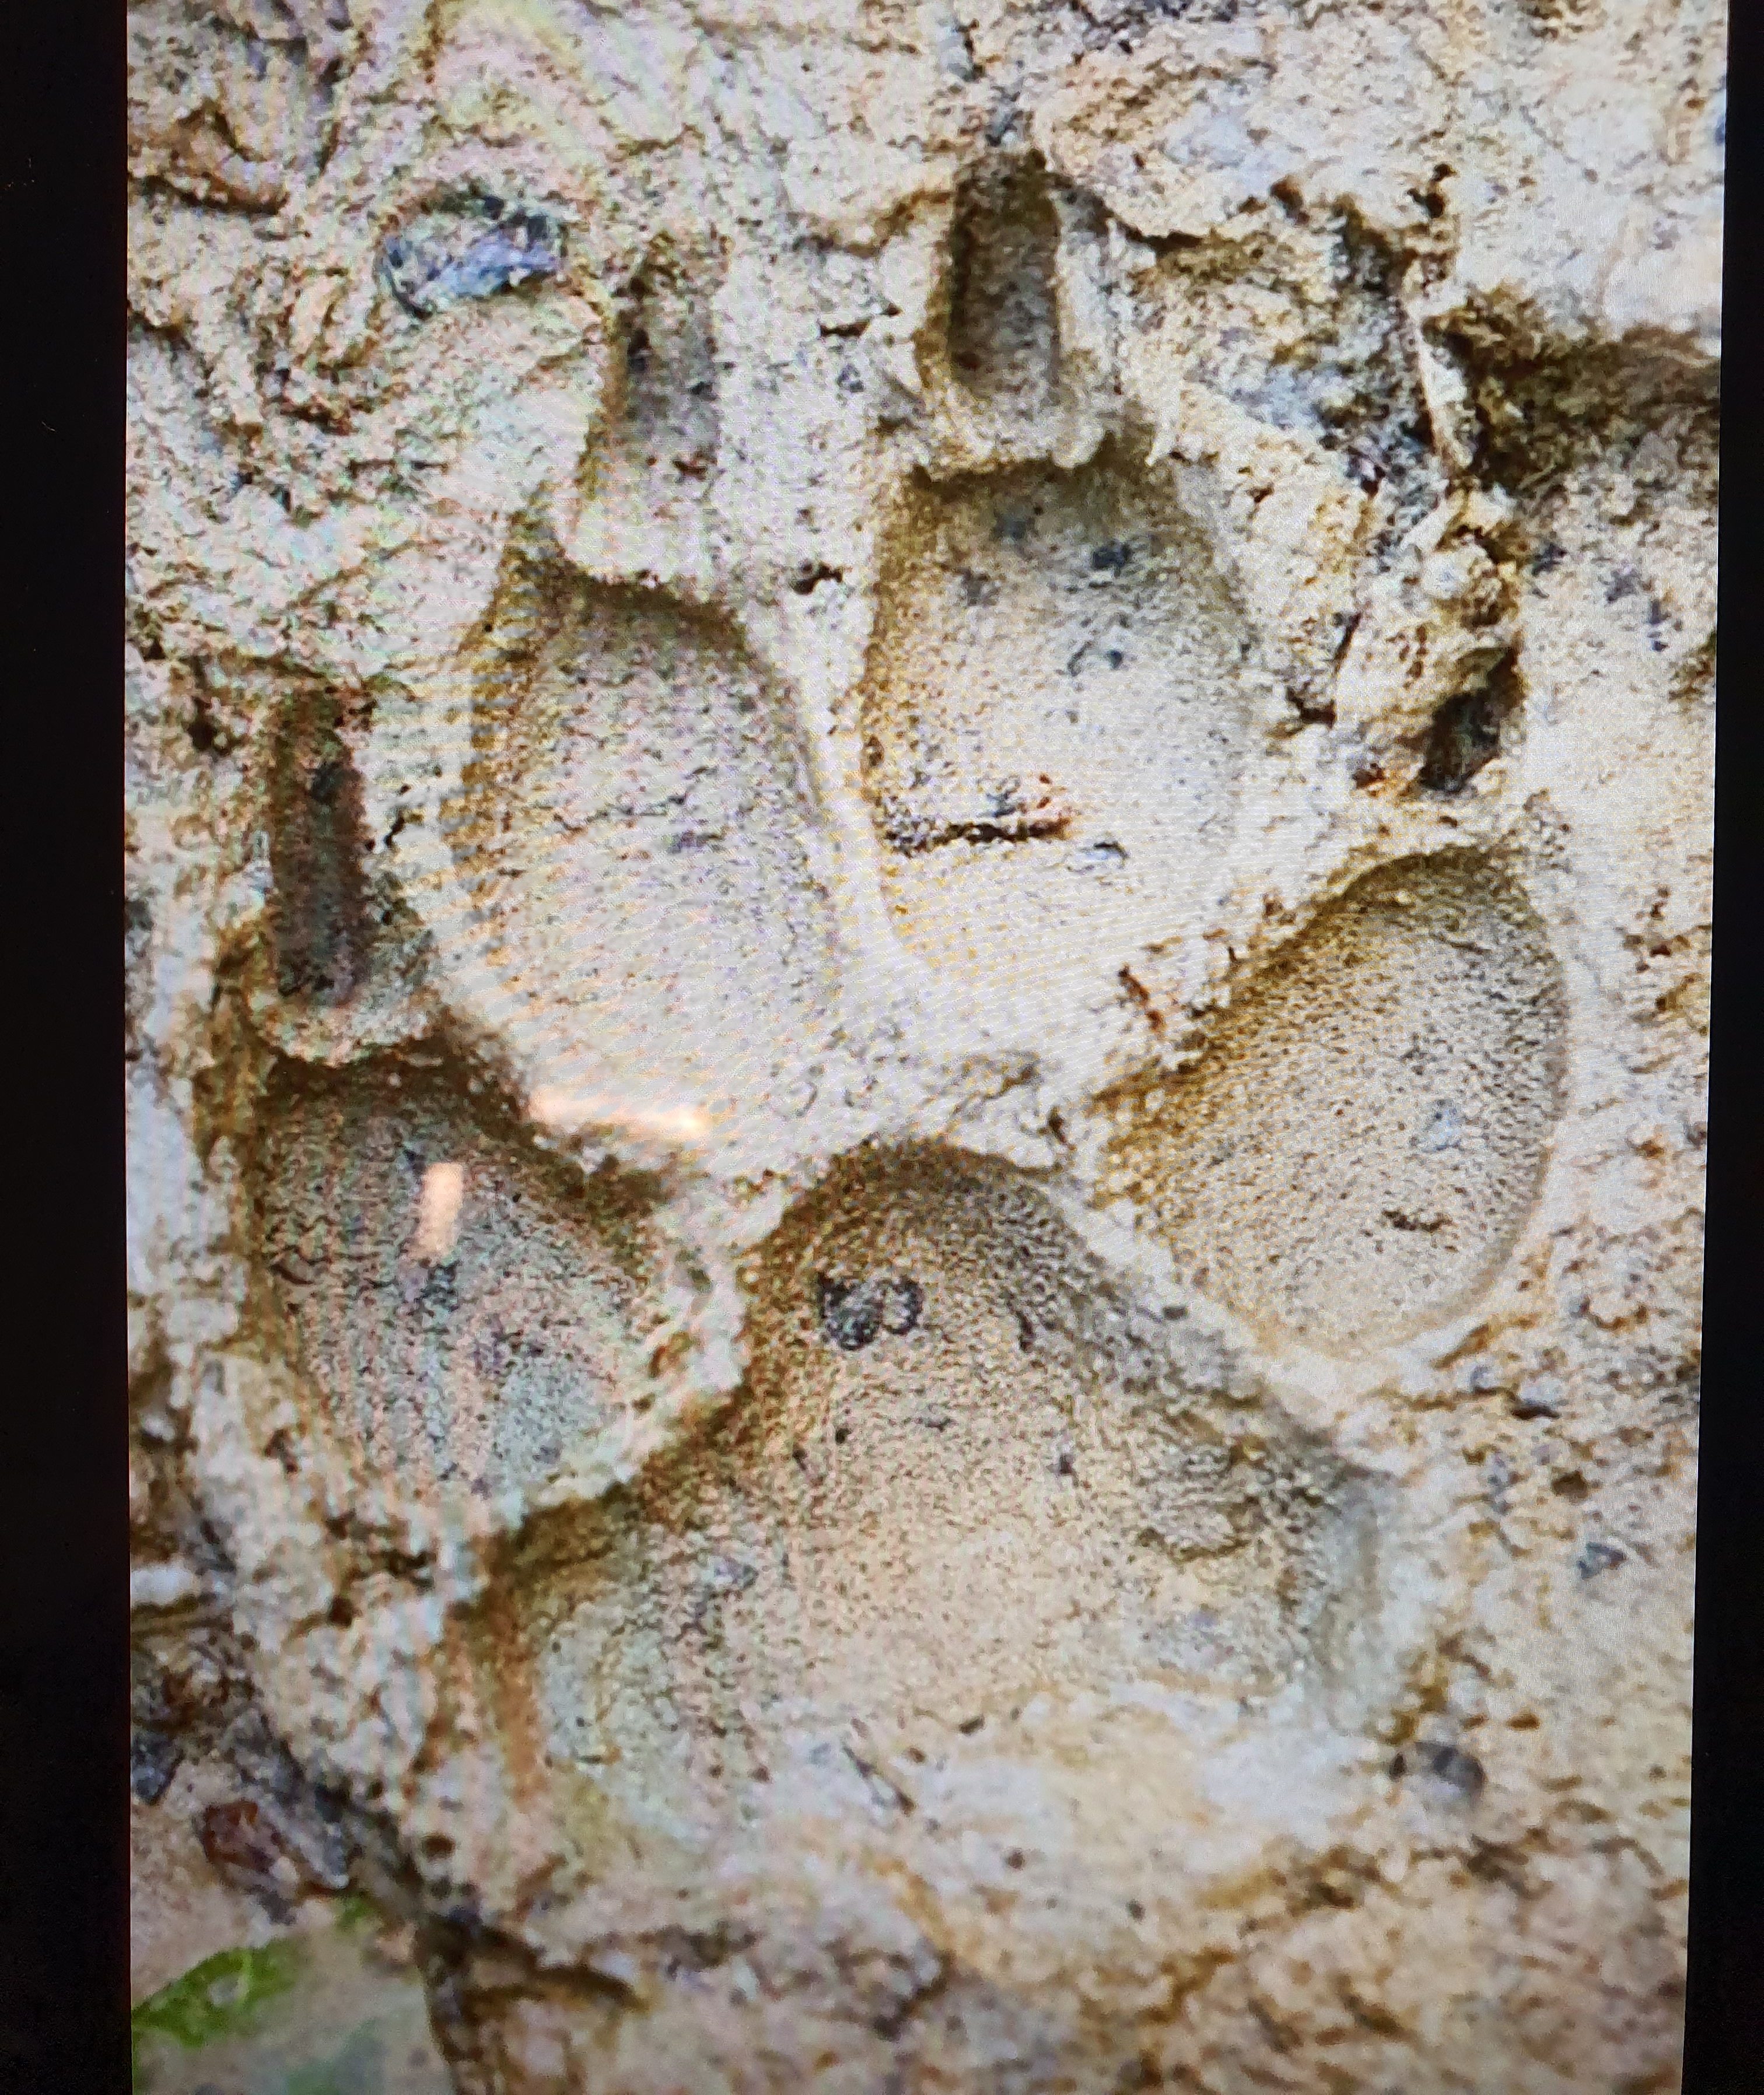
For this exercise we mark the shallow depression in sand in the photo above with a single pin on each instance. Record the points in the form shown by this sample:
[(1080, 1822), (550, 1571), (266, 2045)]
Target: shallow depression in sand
[(954, 1481), (1053, 724), (1367, 1130), (630, 839), (465, 1310)]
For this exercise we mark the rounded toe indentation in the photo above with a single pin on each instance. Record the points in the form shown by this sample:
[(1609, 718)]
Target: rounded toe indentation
[(630, 842), (1367, 1130), (1052, 728), (464, 1311)]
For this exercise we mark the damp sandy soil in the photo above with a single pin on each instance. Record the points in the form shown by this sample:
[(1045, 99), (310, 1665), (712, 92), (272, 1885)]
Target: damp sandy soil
[(917, 979)]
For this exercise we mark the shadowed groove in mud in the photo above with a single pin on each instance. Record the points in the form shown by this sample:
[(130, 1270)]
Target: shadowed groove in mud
[(320, 923), (657, 450), (465, 1311), (1361, 1144), (343, 959), (671, 418), (1004, 313)]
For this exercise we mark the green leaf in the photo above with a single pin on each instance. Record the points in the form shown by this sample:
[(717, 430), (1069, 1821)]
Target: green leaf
[(221, 1996)]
